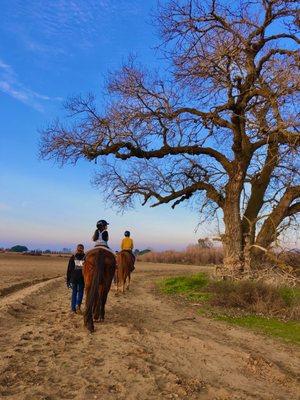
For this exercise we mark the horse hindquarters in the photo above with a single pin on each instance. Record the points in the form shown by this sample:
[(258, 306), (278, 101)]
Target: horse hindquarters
[(92, 298), (122, 270), (108, 276)]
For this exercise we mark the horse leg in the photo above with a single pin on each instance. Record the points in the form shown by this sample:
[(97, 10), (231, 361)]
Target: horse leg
[(88, 315), (119, 272), (123, 282), (117, 287), (102, 304), (128, 284), (96, 309), (124, 279)]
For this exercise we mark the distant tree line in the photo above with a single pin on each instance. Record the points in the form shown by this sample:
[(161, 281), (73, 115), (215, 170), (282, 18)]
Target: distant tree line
[(24, 249), (19, 248)]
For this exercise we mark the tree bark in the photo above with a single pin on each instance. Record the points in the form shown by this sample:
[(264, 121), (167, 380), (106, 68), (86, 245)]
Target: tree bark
[(233, 237), (267, 234), (259, 186)]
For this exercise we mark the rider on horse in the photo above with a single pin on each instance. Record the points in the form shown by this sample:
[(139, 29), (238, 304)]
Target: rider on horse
[(100, 236), (127, 245)]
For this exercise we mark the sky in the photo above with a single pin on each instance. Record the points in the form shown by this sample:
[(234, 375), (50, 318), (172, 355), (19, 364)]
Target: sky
[(48, 52)]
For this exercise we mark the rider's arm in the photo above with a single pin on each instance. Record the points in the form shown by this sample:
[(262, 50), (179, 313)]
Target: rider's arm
[(122, 244), (71, 267)]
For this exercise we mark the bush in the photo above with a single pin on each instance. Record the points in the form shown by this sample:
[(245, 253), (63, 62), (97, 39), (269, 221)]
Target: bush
[(252, 304), (256, 297), (19, 249), (193, 255), (291, 258)]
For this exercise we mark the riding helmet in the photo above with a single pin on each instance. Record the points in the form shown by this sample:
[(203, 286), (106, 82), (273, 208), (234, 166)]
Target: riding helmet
[(127, 233), (102, 223)]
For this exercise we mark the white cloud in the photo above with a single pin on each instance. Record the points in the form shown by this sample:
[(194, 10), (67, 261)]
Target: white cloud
[(10, 84), (62, 26), (5, 66)]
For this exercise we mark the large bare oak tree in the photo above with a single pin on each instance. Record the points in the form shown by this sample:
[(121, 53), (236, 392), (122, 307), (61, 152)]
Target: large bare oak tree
[(220, 125)]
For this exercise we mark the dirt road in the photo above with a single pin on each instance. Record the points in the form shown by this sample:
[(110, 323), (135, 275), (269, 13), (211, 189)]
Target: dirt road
[(149, 348)]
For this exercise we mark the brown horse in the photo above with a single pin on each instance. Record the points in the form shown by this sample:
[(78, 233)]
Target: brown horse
[(98, 272), (125, 262)]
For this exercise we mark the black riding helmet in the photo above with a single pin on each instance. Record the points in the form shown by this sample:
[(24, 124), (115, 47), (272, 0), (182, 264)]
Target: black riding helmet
[(101, 223), (127, 233)]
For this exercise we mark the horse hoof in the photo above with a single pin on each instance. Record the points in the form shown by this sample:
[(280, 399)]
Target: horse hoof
[(89, 326)]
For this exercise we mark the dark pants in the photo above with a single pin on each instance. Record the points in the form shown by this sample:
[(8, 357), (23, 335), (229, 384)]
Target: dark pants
[(77, 295)]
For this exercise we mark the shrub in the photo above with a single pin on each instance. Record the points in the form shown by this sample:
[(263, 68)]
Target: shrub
[(256, 297), (291, 258), (19, 249), (193, 255)]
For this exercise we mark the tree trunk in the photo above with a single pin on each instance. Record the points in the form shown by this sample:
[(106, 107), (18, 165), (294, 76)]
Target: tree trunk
[(233, 237), (259, 186), (268, 232)]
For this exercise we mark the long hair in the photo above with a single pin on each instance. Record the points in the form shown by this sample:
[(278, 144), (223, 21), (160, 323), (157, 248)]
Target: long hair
[(96, 235)]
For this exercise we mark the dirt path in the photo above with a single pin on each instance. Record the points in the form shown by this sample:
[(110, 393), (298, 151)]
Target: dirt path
[(148, 348)]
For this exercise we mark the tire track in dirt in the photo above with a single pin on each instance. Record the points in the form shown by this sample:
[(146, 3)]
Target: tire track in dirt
[(19, 292), (18, 286), (148, 348)]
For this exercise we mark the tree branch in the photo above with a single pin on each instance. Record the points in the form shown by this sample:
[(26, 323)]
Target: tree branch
[(187, 192), (293, 209), (267, 234)]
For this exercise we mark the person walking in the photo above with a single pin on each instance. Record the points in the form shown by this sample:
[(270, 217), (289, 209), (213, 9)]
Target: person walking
[(75, 278)]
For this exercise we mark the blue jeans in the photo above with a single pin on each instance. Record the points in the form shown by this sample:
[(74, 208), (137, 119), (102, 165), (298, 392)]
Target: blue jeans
[(77, 295)]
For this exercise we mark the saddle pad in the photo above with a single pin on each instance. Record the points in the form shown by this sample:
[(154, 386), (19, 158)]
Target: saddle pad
[(103, 248)]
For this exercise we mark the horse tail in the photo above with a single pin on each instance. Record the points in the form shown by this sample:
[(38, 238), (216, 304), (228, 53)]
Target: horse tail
[(124, 264), (98, 279), (99, 261)]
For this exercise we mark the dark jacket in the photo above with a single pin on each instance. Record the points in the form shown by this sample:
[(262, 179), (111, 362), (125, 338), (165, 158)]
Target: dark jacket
[(74, 272), (102, 236)]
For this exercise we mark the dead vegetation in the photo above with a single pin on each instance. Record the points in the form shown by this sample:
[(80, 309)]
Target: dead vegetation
[(193, 255), (257, 298)]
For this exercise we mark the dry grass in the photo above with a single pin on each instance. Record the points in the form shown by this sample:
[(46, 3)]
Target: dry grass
[(274, 310), (292, 259), (193, 255), (257, 297), (19, 270)]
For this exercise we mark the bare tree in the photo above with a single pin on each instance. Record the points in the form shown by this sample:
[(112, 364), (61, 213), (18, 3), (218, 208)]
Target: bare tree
[(222, 125)]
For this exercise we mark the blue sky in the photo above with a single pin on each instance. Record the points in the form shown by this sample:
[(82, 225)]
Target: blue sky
[(49, 51)]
